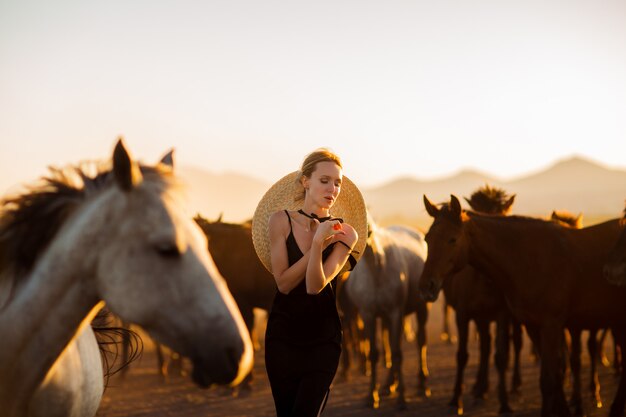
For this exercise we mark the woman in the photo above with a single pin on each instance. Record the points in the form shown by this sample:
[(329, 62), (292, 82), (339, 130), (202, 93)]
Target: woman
[(308, 248)]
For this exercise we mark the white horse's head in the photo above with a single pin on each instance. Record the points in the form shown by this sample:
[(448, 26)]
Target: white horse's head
[(151, 266)]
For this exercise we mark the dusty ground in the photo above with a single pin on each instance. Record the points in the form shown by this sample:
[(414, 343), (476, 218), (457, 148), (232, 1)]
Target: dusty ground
[(142, 392)]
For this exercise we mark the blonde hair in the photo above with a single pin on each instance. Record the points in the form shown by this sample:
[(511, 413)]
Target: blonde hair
[(310, 163)]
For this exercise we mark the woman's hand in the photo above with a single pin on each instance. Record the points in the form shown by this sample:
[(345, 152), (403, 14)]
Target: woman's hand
[(326, 231)]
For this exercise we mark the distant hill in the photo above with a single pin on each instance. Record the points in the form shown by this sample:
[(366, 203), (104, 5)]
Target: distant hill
[(575, 184)]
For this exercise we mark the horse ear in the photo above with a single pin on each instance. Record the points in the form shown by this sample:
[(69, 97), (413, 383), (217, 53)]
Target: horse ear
[(168, 159), (219, 219), (430, 207), (509, 203), (455, 205), (126, 171)]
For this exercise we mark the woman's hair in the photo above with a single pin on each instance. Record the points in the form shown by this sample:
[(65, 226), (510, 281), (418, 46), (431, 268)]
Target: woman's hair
[(311, 161)]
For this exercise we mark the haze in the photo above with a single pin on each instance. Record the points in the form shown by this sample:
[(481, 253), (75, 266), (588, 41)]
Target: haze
[(397, 88)]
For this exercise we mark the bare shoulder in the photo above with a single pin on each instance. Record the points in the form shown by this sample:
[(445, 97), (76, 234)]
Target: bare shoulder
[(278, 221)]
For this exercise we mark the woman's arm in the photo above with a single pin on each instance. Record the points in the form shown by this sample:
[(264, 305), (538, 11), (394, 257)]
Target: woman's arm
[(286, 277), (318, 273)]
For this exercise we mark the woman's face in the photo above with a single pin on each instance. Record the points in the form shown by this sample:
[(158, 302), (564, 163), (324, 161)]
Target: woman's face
[(324, 184)]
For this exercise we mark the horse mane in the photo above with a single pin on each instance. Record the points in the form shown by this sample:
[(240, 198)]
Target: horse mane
[(374, 253), (110, 338), (29, 221), (567, 219), (489, 199)]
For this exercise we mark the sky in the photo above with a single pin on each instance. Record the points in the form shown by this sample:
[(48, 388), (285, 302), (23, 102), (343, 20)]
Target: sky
[(397, 88)]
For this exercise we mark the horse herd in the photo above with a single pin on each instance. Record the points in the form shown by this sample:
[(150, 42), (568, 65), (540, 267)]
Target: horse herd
[(119, 236)]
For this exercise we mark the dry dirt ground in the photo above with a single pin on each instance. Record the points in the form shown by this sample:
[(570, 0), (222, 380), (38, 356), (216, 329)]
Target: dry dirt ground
[(142, 392)]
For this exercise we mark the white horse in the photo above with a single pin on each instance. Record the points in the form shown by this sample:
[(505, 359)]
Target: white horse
[(384, 284), (120, 238)]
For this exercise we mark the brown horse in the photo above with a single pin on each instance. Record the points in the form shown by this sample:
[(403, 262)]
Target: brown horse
[(473, 298), (549, 292), (252, 286), (567, 219), (615, 267)]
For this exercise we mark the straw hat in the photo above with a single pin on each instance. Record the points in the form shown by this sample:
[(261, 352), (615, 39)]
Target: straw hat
[(282, 196)]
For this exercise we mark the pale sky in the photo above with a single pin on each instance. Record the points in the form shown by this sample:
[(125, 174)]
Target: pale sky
[(417, 88)]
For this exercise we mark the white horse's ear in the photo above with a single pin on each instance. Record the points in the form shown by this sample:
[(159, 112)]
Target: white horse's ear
[(168, 159), (126, 171)]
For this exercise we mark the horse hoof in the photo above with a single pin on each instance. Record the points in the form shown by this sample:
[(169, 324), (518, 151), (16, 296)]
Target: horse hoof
[(424, 392), (505, 409), (597, 402), (372, 402)]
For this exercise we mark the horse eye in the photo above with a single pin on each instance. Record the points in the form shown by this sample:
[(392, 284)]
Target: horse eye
[(168, 250), (452, 240)]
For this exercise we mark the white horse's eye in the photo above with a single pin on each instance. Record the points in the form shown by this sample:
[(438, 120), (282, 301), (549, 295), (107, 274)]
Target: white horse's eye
[(168, 250)]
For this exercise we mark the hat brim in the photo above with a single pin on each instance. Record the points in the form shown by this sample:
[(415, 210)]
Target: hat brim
[(350, 206)]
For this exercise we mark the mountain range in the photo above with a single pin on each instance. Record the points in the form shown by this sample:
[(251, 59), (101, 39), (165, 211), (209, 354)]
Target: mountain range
[(575, 184)]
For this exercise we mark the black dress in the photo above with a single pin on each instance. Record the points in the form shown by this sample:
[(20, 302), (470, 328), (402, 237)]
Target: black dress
[(302, 344)]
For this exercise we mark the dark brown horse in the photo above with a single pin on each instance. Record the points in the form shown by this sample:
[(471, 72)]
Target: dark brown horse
[(251, 285), (567, 219), (474, 299), (615, 267), (551, 277)]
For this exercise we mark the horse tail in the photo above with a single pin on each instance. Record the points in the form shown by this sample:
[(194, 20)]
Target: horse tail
[(110, 338)]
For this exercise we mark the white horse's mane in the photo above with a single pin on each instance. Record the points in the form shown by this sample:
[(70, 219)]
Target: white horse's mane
[(30, 219)]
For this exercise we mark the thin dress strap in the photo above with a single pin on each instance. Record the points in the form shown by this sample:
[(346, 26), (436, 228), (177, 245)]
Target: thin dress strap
[(289, 218)]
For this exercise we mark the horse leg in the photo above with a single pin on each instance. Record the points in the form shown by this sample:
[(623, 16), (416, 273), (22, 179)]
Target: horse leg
[(162, 363), (445, 332), (617, 408), (422, 361), (396, 322), (462, 325), (387, 342), (575, 362), (502, 358), (518, 342), (346, 350), (594, 383), (369, 329), (247, 313), (604, 359), (481, 386), (553, 400), (617, 356)]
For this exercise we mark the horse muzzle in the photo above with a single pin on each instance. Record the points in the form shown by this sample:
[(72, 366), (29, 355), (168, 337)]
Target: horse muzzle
[(221, 369), (428, 290)]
